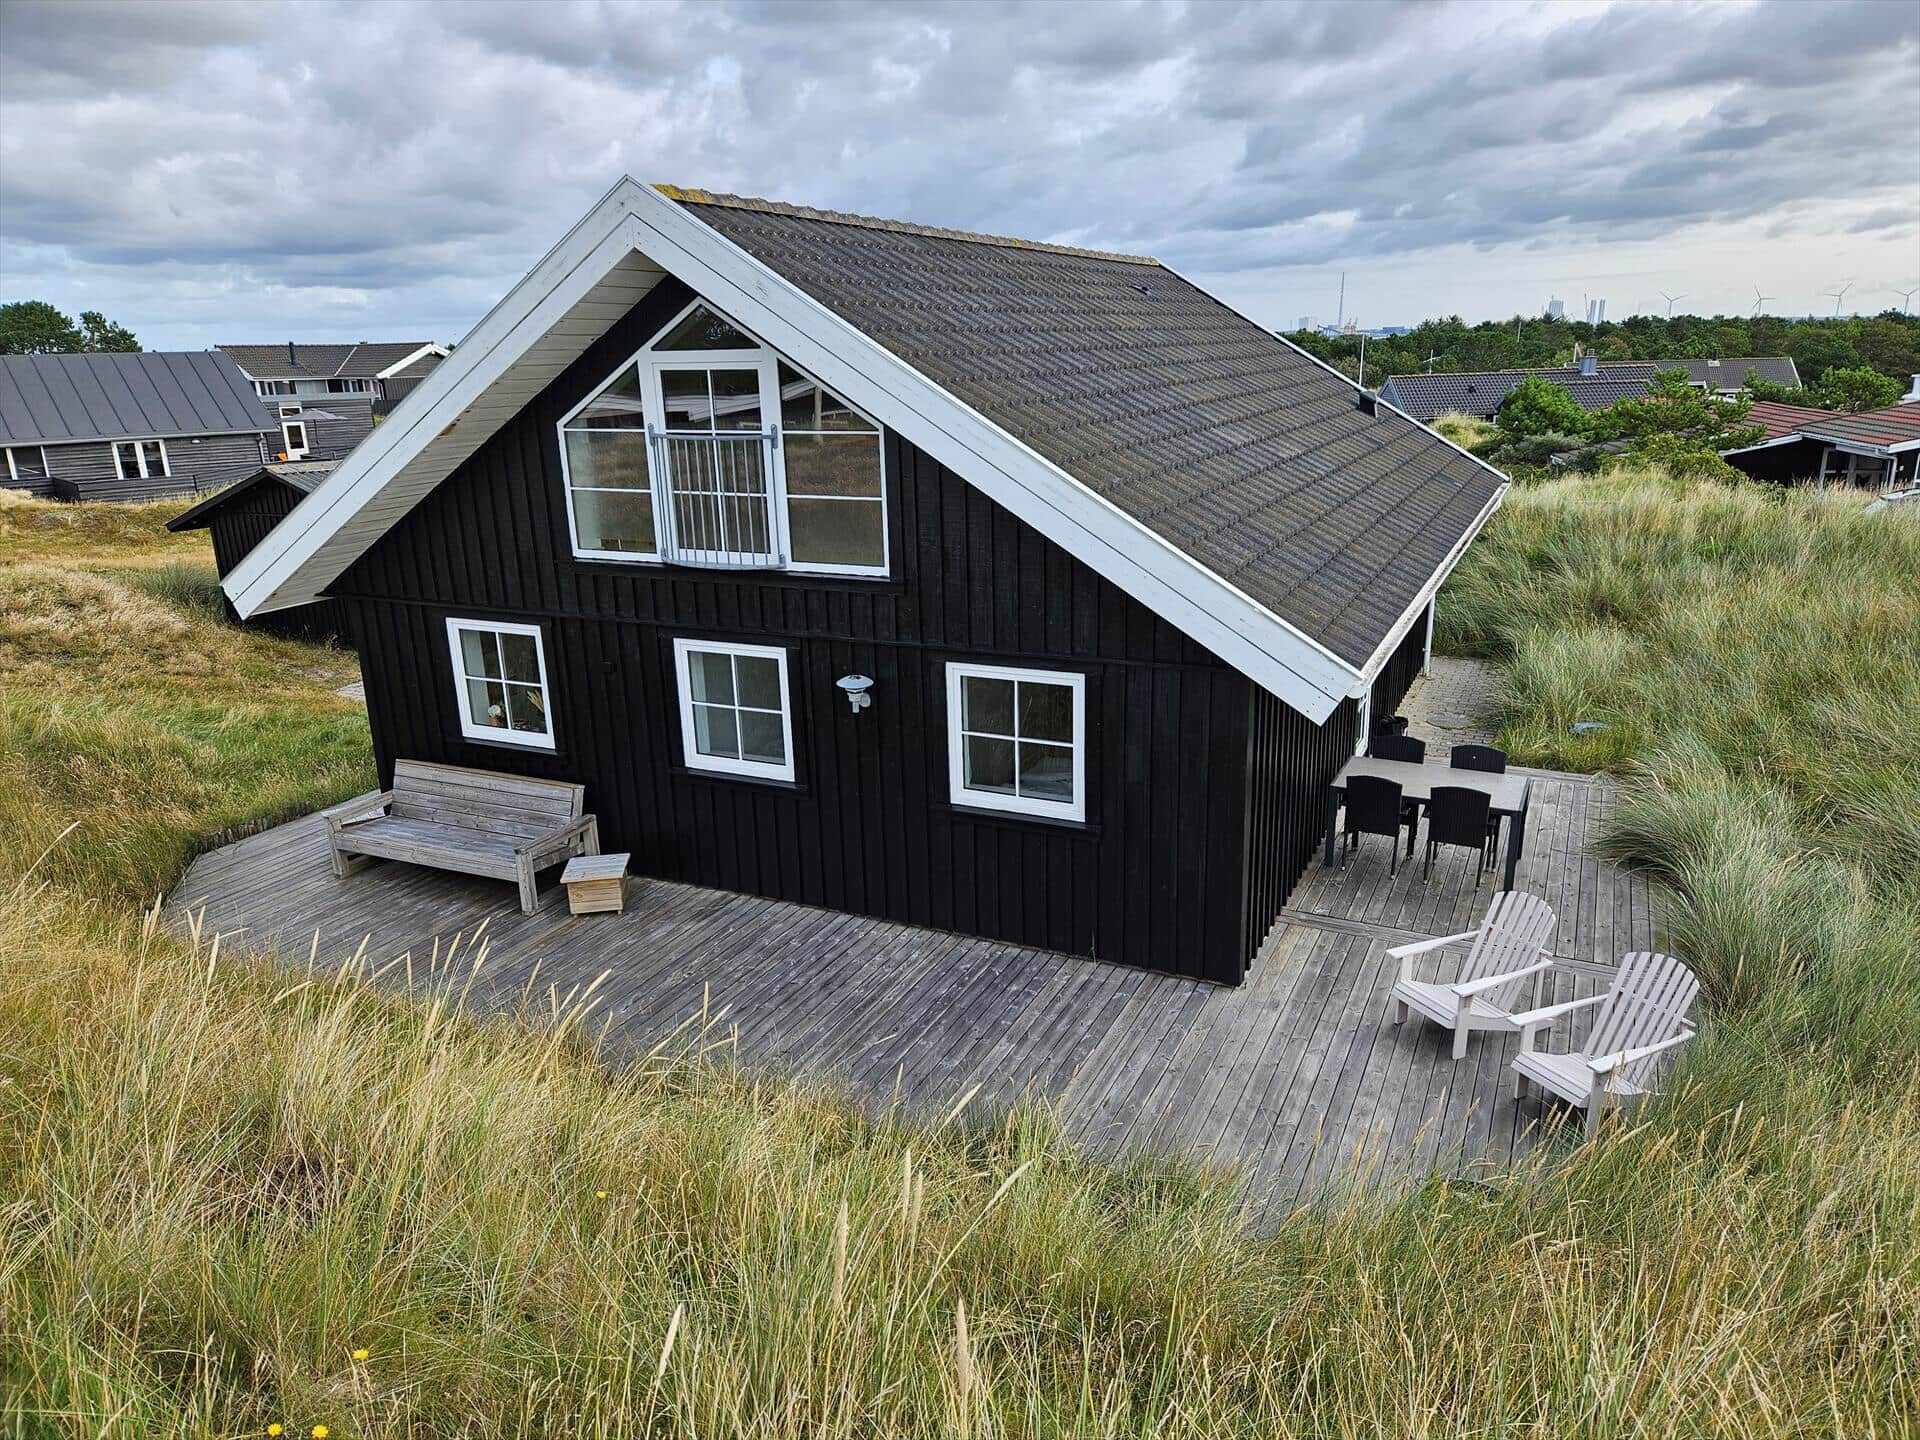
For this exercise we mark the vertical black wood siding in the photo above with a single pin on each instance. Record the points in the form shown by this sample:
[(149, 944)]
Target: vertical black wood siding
[(1158, 874), (1290, 763), (242, 522), (1396, 677)]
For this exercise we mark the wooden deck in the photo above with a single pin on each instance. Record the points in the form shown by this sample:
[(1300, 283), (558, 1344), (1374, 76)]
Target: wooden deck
[(1298, 1076)]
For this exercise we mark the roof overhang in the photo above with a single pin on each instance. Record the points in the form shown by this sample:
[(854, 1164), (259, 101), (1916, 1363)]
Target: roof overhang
[(421, 353), (631, 239)]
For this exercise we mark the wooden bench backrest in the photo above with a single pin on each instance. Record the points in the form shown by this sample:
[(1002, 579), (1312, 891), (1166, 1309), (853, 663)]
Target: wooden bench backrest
[(484, 800)]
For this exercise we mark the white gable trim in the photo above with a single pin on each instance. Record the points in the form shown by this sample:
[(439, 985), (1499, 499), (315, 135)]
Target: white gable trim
[(390, 471), (428, 349)]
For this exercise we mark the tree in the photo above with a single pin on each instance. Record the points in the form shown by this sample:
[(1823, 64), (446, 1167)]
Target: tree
[(33, 327), (1856, 388), (97, 333), (1537, 406), (1773, 390), (1679, 427)]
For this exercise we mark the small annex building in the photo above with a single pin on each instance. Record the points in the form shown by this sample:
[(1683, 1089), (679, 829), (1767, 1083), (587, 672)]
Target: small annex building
[(1007, 588), (140, 425), (240, 516)]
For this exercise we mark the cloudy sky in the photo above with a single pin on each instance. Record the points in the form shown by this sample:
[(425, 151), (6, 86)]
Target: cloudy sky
[(237, 172)]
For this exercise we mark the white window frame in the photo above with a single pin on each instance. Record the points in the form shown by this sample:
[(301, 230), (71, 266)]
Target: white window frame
[(686, 646), (964, 798), (287, 427), (13, 465), (647, 363), (499, 734), (140, 460)]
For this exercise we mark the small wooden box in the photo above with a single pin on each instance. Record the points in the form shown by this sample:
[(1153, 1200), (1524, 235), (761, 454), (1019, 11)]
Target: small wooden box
[(594, 883)]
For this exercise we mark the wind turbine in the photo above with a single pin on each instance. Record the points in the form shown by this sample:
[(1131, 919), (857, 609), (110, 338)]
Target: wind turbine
[(1906, 296), (1838, 296), (1670, 299), (1759, 300)]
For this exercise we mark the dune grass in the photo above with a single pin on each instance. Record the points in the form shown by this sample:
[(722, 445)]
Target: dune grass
[(234, 1196)]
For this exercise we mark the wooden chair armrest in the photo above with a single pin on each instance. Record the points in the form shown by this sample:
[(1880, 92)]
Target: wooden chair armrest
[(1601, 1064), (544, 843), (1529, 1021), (365, 807), (1490, 982), (1406, 954)]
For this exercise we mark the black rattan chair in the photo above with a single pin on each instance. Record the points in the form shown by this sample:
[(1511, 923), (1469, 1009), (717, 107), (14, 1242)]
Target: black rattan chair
[(1400, 747), (1458, 816), (1479, 757), (1376, 807)]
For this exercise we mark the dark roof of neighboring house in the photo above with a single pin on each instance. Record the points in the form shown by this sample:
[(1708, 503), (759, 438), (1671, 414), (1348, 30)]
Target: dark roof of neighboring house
[(1226, 442), (1895, 428), (302, 475), (1480, 393), (327, 362), (1731, 373), (61, 399)]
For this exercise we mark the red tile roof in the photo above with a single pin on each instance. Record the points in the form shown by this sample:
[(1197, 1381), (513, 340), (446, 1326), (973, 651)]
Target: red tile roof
[(1782, 420), (1896, 425)]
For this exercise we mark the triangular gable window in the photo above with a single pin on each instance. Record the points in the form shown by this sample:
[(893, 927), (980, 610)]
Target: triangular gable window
[(705, 329)]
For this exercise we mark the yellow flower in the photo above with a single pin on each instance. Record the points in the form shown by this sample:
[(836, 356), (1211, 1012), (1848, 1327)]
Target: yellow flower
[(599, 1194), (339, 1159), (319, 1432), (274, 1428), (360, 1354)]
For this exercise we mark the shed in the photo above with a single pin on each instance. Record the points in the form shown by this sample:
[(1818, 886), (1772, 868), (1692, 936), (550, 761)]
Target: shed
[(240, 517)]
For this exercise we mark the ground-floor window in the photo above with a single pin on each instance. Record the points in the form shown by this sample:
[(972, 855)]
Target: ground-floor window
[(1016, 740), (735, 715), (26, 462), (140, 459), (500, 676)]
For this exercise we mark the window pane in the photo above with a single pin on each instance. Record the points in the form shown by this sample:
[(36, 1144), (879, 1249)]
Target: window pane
[(487, 703), (762, 737), (155, 457), (615, 408), (806, 406), (989, 765), (607, 459), (526, 707), (712, 676), (736, 399), (837, 532), (521, 657), (687, 403), (615, 520), (703, 329), (714, 732), (832, 464), (987, 704), (1046, 772), (480, 652), (126, 459), (1046, 711), (758, 677)]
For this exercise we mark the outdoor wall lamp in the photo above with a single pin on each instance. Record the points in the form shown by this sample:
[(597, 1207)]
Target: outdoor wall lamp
[(857, 687)]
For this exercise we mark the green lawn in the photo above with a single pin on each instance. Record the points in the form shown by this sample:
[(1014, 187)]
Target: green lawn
[(220, 1183)]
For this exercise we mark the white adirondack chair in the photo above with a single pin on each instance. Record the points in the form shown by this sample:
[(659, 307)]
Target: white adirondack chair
[(1644, 1015), (1506, 951)]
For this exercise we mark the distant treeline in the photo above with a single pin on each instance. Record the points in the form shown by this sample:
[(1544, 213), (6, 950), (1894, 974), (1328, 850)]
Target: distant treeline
[(1888, 342)]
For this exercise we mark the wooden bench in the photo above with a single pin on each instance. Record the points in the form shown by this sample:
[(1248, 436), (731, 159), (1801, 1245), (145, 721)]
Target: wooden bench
[(474, 822)]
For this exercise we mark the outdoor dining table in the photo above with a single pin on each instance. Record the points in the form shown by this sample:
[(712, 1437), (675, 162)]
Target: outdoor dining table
[(1507, 795)]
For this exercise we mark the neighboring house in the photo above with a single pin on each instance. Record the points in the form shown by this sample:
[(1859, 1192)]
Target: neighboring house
[(1007, 588), (320, 429), (384, 372), (1876, 448), (128, 426), (239, 517), (1594, 384)]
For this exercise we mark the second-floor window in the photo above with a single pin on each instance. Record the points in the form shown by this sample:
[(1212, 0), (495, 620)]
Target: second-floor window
[(140, 459), (707, 448)]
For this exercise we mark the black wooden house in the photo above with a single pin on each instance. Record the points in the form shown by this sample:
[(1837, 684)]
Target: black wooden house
[(242, 515), (1007, 588)]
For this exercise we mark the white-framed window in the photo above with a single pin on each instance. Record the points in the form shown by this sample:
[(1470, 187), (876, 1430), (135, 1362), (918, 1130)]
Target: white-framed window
[(708, 448), (294, 434), (1017, 740), (500, 680), (736, 715), (140, 459), (26, 462)]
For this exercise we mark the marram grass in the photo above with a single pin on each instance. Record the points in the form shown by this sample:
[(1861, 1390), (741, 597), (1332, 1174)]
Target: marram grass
[(235, 1196)]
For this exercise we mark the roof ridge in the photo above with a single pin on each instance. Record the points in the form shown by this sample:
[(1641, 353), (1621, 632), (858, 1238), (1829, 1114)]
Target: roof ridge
[(687, 195)]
